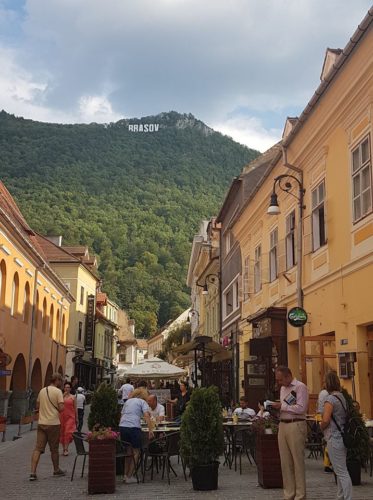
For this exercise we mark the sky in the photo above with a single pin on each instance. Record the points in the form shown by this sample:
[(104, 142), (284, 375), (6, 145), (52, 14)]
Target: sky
[(240, 66)]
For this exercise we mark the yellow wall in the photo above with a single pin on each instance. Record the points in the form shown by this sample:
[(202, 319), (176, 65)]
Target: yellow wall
[(338, 277)]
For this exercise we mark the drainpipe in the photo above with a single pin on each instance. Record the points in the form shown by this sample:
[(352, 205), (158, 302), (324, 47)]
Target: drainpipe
[(299, 256), (32, 330)]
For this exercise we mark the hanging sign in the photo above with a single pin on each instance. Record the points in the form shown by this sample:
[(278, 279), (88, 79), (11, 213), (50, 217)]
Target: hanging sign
[(297, 317)]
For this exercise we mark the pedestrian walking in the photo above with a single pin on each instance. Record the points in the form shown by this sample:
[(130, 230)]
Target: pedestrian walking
[(334, 416), (126, 390), (292, 433), (50, 403), (68, 418), (80, 404)]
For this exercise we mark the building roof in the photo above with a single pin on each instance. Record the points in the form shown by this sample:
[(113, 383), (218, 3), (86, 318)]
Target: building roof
[(142, 343), (53, 252)]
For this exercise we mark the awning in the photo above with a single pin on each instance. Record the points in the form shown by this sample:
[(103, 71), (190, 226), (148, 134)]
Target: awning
[(201, 342)]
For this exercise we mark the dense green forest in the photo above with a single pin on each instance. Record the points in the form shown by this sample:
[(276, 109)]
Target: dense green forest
[(135, 198)]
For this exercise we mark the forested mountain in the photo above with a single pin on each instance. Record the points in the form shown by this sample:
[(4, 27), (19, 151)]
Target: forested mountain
[(136, 198)]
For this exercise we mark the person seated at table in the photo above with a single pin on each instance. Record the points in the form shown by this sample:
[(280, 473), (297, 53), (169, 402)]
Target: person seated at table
[(134, 408), (181, 401), (244, 411), (262, 413), (156, 409)]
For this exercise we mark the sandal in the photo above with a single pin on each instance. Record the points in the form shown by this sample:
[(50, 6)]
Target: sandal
[(32, 477), (65, 453)]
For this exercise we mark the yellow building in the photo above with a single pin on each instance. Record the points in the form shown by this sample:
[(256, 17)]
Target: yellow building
[(329, 149), (78, 270), (34, 313), (105, 349)]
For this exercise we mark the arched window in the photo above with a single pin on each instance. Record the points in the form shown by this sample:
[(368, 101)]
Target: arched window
[(45, 317), (58, 326), (51, 321), (26, 303), (2, 282), (36, 311), (63, 333), (15, 295)]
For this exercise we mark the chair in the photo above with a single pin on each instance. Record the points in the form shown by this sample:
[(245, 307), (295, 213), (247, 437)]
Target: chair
[(242, 444), (125, 450), (81, 451), (163, 449), (315, 441)]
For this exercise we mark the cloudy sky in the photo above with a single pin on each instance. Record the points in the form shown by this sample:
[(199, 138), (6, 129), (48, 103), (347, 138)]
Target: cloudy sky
[(241, 66)]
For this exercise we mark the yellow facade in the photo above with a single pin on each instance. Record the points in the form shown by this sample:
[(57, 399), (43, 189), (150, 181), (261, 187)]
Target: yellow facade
[(34, 318), (333, 148)]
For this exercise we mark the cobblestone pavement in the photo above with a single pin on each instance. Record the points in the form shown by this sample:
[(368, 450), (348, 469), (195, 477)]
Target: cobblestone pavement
[(15, 463)]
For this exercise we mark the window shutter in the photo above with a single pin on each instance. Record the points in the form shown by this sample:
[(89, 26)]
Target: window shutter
[(281, 248), (307, 235)]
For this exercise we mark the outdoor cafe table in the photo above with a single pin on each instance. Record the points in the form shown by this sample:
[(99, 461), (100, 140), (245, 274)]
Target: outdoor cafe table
[(233, 428)]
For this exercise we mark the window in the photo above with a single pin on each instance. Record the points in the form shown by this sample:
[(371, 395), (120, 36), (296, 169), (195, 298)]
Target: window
[(51, 321), (15, 294), (318, 217), (122, 358), (26, 303), (228, 302), (2, 282), (227, 241), (80, 331), (361, 180), (245, 279), (36, 311), (82, 295), (273, 241), (290, 240), (45, 317), (258, 269)]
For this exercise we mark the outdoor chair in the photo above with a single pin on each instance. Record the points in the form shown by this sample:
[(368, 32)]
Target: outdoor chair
[(81, 451), (242, 444), (124, 451), (161, 450), (314, 442)]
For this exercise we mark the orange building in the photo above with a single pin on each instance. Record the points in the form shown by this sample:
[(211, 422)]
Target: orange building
[(34, 313)]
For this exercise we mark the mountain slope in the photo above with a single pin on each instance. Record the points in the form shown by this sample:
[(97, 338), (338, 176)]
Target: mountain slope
[(135, 197)]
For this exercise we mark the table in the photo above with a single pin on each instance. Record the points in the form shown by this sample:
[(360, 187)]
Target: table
[(162, 429), (233, 429)]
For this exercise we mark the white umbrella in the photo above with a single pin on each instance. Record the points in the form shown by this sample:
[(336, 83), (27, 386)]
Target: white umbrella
[(154, 368)]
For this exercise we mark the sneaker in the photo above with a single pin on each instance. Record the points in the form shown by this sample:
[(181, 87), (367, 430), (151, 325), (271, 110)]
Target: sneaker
[(328, 470), (32, 477), (59, 472), (130, 480)]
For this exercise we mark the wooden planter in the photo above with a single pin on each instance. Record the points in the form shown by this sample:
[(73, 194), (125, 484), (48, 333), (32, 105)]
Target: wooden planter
[(268, 461), (101, 466), (26, 419)]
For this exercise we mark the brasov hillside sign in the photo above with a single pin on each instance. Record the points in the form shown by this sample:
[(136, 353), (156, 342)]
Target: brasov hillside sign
[(143, 127)]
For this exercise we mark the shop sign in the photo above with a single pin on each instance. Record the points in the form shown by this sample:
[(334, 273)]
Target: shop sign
[(90, 325), (5, 373), (297, 317)]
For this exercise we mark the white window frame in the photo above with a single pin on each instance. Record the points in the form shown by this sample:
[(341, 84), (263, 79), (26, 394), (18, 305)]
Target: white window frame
[(273, 254), (258, 269), (319, 237), (227, 241), (361, 194), (290, 240)]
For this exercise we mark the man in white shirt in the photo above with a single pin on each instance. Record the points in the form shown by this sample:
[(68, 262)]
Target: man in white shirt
[(126, 390), (244, 411), (80, 403), (156, 409)]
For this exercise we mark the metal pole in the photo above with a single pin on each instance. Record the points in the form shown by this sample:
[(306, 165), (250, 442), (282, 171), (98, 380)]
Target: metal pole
[(300, 272)]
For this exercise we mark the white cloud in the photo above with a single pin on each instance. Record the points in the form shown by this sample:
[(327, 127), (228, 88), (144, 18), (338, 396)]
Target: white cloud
[(97, 109), (249, 131)]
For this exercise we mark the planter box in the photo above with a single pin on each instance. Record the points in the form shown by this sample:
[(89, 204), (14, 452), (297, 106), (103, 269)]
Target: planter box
[(27, 419), (268, 461), (101, 466)]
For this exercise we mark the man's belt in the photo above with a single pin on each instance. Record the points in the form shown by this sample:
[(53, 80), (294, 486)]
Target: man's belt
[(288, 421)]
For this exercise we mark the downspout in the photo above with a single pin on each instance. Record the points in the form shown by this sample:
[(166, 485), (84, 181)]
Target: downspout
[(31, 347), (299, 255)]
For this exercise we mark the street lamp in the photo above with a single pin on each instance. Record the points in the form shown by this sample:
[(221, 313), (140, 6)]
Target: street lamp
[(274, 209)]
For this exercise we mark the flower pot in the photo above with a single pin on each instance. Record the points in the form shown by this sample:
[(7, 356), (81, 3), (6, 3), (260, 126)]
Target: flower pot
[(205, 477), (101, 466), (268, 461), (26, 419), (268, 431), (354, 469)]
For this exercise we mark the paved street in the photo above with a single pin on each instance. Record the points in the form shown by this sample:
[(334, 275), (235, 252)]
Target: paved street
[(15, 463)]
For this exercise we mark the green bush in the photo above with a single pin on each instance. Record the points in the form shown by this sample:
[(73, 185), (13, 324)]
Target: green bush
[(360, 450), (104, 408), (202, 440)]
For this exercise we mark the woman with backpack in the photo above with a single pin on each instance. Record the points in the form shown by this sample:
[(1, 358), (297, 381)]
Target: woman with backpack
[(332, 424)]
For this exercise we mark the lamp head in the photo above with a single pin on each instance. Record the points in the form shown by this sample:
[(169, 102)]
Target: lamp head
[(273, 208)]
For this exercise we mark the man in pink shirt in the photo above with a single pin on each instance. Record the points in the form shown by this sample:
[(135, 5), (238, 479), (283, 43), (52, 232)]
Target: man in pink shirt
[(292, 433)]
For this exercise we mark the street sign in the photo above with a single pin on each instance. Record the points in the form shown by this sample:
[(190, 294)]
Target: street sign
[(5, 373), (297, 317)]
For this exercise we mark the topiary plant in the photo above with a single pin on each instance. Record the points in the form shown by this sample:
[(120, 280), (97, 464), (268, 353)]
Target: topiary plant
[(104, 408), (202, 440)]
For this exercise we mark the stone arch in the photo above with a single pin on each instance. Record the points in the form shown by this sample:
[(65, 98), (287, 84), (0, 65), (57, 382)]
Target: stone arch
[(36, 377), (18, 380), (48, 374)]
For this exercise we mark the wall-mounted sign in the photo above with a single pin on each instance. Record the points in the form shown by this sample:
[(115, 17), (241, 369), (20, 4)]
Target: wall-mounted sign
[(90, 324), (297, 317), (5, 373), (143, 127)]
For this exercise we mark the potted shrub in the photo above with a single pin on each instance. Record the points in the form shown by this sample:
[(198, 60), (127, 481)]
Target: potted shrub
[(267, 455), (358, 453), (202, 440), (103, 418)]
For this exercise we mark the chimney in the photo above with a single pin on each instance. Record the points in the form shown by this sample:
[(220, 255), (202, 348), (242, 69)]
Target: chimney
[(57, 240)]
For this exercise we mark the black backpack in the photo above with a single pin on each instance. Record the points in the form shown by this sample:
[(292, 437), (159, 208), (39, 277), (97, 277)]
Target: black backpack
[(351, 426)]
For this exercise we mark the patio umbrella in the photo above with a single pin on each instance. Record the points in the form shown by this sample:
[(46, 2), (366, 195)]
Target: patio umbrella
[(155, 368)]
